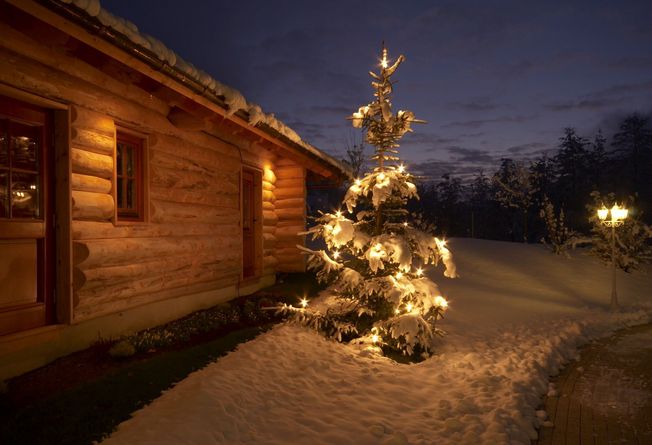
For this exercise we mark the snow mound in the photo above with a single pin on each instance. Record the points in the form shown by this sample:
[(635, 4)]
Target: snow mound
[(517, 314)]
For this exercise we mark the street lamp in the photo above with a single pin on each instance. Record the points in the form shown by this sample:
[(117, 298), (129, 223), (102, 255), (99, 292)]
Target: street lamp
[(618, 215)]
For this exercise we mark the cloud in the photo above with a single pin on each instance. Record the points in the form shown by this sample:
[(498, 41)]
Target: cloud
[(603, 98), (473, 155), (477, 104), (631, 63), (496, 120), (531, 146)]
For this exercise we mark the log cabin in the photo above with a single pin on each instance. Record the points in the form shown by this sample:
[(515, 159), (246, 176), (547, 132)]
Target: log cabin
[(134, 188)]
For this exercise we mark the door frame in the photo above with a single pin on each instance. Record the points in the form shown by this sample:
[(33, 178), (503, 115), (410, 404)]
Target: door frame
[(257, 204)]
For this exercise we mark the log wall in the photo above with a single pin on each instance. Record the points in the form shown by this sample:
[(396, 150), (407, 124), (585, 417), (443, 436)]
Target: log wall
[(191, 240), (290, 211)]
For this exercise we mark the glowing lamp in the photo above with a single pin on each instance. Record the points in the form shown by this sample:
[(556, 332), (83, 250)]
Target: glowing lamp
[(603, 213), (618, 215)]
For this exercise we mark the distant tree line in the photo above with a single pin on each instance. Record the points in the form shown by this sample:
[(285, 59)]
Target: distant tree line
[(512, 202)]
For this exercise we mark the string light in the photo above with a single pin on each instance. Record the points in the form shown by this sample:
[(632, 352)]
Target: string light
[(304, 302), (375, 338), (358, 182), (383, 62), (381, 176), (441, 301), (405, 224), (419, 272), (399, 275), (336, 254), (409, 307), (401, 168), (338, 213)]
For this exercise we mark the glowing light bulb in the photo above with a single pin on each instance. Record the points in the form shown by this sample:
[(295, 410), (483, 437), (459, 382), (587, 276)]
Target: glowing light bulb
[(409, 307), (419, 272), (401, 168), (375, 338), (33, 186), (405, 224), (383, 62), (399, 275), (381, 176), (338, 213), (441, 301), (358, 182), (397, 311), (603, 212), (304, 302), (336, 254)]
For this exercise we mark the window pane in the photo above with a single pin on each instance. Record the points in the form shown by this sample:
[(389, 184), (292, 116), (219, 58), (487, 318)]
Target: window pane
[(4, 195), (130, 161), (18, 280), (119, 158), (24, 146), (120, 197), (24, 195), (131, 194), (4, 149)]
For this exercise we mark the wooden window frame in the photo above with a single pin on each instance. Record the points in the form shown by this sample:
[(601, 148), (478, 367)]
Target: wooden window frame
[(42, 311), (139, 212)]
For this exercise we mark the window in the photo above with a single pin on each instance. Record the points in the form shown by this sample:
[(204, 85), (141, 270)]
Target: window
[(25, 229), (130, 196)]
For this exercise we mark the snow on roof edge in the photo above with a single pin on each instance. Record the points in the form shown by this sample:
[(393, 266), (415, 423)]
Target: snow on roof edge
[(233, 99)]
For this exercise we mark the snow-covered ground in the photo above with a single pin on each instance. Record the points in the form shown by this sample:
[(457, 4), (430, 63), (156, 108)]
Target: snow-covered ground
[(517, 313)]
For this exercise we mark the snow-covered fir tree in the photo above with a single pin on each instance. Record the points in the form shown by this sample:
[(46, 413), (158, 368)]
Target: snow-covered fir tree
[(376, 260), (559, 237), (632, 239)]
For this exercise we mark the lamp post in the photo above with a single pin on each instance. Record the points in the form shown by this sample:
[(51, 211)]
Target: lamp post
[(618, 215)]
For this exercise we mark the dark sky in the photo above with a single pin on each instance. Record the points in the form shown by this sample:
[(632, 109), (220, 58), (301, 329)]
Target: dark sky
[(492, 78)]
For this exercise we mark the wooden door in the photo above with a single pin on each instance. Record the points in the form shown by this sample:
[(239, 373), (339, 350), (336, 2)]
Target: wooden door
[(26, 248), (248, 224)]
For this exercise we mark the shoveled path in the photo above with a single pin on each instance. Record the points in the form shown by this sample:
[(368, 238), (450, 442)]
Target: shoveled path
[(606, 396)]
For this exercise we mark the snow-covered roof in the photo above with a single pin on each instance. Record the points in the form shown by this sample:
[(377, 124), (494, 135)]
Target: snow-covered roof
[(234, 101)]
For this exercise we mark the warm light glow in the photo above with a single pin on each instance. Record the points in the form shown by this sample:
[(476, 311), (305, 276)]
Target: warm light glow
[(405, 224), (384, 62), (377, 251), (336, 254), (399, 275), (304, 302), (603, 212), (358, 182), (381, 176), (375, 338), (33, 187), (397, 311), (441, 301), (618, 213), (401, 168), (409, 307), (419, 272), (338, 213)]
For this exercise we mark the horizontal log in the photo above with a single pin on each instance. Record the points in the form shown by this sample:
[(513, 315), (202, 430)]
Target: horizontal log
[(269, 177), (291, 183), (92, 141), (195, 197), (269, 238), (269, 229), (286, 193), (84, 230), (268, 205), (291, 213), (285, 162), (82, 117), (212, 169), (269, 217), (93, 164), (110, 252), (121, 297), (223, 183), (290, 173), (91, 205), (283, 251), (87, 183), (286, 203), (291, 268), (108, 276), (186, 121), (168, 212), (268, 186), (269, 261), (208, 152), (268, 196), (291, 223), (288, 231)]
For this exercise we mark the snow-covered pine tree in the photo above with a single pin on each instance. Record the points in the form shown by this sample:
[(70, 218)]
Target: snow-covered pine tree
[(559, 237), (632, 243), (376, 259)]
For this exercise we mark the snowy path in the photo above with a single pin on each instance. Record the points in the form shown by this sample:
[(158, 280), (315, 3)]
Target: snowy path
[(517, 313)]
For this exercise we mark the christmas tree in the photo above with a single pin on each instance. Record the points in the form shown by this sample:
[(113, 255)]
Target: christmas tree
[(376, 259)]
